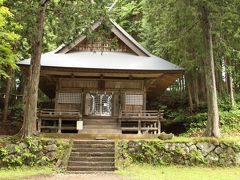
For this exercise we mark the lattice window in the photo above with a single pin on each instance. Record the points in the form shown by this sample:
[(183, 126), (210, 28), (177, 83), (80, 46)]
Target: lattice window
[(69, 98), (134, 99)]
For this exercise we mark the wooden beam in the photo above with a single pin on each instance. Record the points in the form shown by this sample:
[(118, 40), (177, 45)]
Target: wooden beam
[(99, 74)]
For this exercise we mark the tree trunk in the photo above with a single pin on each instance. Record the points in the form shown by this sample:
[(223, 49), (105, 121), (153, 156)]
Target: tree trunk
[(31, 90), (202, 87), (189, 88), (232, 100), (196, 93), (190, 97), (7, 96), (221, 81), (213, 116), (229, 81)]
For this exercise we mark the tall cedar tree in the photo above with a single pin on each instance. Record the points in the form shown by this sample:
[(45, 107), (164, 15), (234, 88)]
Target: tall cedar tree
[(31, 90), (213, 116)]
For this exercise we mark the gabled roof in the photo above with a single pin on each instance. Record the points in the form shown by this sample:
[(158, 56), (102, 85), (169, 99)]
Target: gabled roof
[(118, 31), (141, 59), (105, 60)]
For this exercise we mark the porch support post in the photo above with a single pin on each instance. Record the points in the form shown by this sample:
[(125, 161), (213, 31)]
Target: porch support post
[(139, 126), (159, 121), (159, 126), (39, 124), (39, 121), (60, 123)]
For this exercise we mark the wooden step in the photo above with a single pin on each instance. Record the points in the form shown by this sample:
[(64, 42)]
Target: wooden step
[(92, 159), (99, 121), (93, 142), (100, 131), (92, 154), (91, 168), (105, 126), (111, 145), (93, 149), (93, 164)]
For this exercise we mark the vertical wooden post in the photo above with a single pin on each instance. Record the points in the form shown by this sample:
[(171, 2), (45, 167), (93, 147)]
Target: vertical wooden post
[(120, 121), (159, 126), (80, 119), (60, 123), (159, 121), (139, 126), (39, 121), (82, 103), (39, 124)]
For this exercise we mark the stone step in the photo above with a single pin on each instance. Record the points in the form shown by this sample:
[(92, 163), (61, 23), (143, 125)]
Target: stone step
[(93, 146), (93, 159), (91, 168), (92, 154), (93, 142), (93, 149), (92, 164)]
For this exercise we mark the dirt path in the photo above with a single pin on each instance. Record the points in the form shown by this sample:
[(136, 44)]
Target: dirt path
[(106, 176)]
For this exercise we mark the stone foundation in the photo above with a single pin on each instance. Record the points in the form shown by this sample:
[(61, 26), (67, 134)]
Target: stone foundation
[(31, 152), (213, 153)]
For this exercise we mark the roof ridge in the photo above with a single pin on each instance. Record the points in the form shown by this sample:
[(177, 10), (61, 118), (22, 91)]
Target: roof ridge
[(139, 49), (131, 38)]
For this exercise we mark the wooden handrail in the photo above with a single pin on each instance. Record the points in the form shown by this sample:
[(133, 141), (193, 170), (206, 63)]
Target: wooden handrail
[(151, 119), (56, 116)]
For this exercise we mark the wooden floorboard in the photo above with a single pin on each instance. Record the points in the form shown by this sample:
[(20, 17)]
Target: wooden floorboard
[(95, 136)]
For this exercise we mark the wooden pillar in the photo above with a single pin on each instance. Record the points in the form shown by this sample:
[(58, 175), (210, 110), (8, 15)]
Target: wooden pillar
[(139, 126), (82, 103), (39, 124), (159, 126), (60, 123), (120, 121), (145, 99), (58, 84)]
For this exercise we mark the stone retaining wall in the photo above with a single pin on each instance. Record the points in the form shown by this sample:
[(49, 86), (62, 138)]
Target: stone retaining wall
[(32, 152), (213, 153)]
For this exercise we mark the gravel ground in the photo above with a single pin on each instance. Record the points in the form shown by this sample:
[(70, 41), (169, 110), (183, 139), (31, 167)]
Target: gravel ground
[(105, 176)]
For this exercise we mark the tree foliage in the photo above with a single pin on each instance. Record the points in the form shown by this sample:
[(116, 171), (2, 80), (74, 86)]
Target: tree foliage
[(8, 40)]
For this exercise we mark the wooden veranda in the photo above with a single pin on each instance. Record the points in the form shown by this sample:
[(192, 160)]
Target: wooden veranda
[(128, 122)]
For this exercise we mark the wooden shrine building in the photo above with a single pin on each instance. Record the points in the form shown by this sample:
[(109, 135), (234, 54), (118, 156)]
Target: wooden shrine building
[(104, 86)]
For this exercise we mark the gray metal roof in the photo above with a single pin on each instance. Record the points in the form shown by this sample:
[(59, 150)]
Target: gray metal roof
[(131, 39), (144, 60), (105, 60)]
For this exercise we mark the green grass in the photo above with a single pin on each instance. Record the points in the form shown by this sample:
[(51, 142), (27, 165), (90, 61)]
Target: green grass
[(147, 172), (22, 173)]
